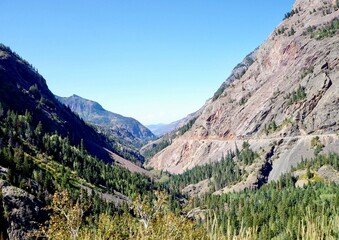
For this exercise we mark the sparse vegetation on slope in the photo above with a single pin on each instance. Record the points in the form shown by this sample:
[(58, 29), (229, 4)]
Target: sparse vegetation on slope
[(316, 145), (319, 33), (186, 127), (291, 13), (296, 96), (237, 72), (218, 93), (327, 31)]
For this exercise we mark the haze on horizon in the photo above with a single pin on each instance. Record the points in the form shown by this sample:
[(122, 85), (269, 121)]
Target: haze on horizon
[(155, 61)]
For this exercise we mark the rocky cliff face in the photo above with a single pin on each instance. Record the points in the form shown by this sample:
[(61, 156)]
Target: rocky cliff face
[(287, 96), (23, 212)]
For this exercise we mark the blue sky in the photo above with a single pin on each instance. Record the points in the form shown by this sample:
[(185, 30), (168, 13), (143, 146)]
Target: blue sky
[(154, 60)]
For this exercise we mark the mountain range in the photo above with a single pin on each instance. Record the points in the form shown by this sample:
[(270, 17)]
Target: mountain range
[(162, 128), (259, 160)]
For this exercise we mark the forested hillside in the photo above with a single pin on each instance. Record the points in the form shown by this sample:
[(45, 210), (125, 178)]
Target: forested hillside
[(42, 163)]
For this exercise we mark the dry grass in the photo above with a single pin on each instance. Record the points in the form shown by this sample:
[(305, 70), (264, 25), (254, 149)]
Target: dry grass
[(318, 226), (311, 227)]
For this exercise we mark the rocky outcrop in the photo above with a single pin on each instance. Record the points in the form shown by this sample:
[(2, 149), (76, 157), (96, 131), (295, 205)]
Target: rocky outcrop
[(295, 149), (257, 175), (23, 211), (329, 174), (117, 198), (249, 183), (301, 183), (237, 72), (324, 173), (198, 189), (292, 84)]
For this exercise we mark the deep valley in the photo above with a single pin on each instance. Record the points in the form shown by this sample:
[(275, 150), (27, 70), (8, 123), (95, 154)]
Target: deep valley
[(259, 160)]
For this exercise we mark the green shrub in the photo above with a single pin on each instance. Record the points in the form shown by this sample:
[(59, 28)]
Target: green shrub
[(329, 30), (297, 95)]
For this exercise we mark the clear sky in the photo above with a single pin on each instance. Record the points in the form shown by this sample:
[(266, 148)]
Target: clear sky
[(154, 60)]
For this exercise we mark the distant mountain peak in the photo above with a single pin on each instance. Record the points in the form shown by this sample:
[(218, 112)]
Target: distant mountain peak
[(126, 129)]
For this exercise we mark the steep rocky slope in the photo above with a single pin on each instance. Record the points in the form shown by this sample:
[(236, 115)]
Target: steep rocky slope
[(177, 128), (286, 97), (124, 129)]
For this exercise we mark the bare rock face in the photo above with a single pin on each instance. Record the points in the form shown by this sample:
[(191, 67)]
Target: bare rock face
[(329, 174), (198, 189), (250, 183), (23, 211), (301, 183), (292, 82)]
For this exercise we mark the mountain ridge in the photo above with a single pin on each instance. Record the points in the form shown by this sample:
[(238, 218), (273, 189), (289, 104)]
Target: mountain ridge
[(31, 93), (20, 79), (127, 130)]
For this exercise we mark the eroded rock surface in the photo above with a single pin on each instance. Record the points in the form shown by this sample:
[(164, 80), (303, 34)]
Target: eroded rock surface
[(288, 62), (23, 211)]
